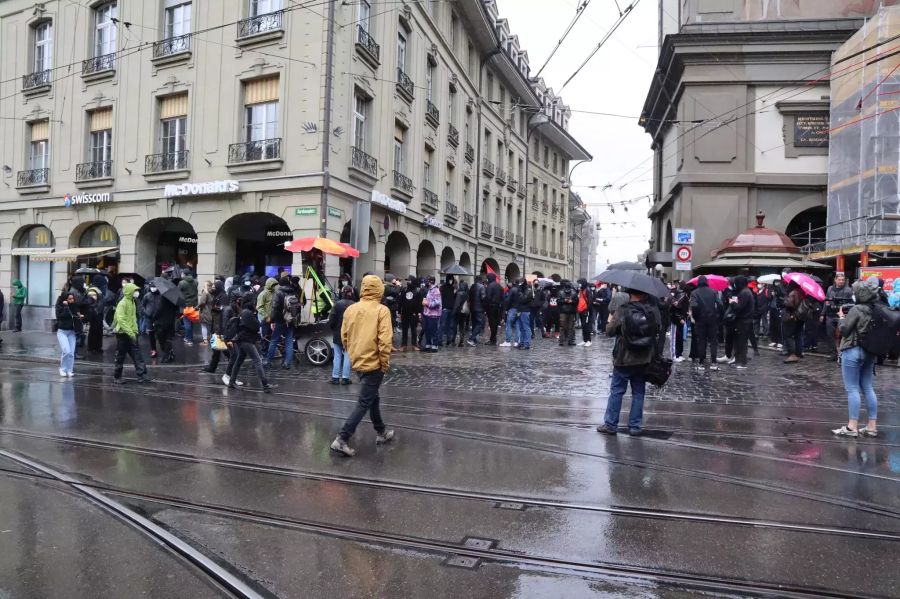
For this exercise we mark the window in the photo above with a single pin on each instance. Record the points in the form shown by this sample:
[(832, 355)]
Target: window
[(429, 81), (173, 135), (501, 107), (360, 118), (399, 137), (546, 156), (43, 47), (101, 136), (39, 152), (553, 240), (489, 92), (426, 173), (497, 209), (261, 109), (178, 18), (451, 106), (105, 32), (534, 231), (173, 131), (454, 33), (364, 14), (471, 59), (466, 205), (37, 276), (401, 51), (555, 162), (263, 7)]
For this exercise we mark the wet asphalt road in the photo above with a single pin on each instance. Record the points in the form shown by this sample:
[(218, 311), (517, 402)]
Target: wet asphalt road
[(497, 485)]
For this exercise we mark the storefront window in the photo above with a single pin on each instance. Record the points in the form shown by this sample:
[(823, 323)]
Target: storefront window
[(37, 276)]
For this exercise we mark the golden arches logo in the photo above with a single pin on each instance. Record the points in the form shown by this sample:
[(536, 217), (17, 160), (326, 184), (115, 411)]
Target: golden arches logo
[(107, 234), (42, 237)]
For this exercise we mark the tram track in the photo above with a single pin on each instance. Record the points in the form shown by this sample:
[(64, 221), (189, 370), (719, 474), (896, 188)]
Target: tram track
[(115, 501)]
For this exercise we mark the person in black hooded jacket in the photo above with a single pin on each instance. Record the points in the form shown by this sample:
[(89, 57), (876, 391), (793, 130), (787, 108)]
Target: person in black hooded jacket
[(410, 308), (493, 304), (706, 312), (744, 309), (245, 340)]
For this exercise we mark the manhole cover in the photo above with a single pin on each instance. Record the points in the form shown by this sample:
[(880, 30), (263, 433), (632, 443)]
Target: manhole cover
[(476, 543), (460, 561)]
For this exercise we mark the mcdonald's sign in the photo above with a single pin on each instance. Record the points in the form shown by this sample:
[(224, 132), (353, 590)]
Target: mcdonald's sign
[(106, 233), (42, 237)]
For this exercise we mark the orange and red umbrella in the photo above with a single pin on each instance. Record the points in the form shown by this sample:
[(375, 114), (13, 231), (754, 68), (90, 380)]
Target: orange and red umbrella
[(326, 246)]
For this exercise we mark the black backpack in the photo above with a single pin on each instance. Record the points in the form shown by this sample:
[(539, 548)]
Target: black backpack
[(640, 325), (882, 336), (232, 328), (291, 309)]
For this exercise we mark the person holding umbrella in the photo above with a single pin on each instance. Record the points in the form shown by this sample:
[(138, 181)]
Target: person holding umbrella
[(125, 326), (164, 316), (706, 311)]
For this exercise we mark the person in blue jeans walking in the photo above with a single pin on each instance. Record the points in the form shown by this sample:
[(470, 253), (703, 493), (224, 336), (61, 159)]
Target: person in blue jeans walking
[(523, 309), (858, 365), (281, 327), (68, 325), (511, 303), (340, 371), (635, 326)]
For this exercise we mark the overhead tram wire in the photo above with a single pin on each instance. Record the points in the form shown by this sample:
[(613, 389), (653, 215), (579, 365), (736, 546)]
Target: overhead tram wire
[(579, 11)]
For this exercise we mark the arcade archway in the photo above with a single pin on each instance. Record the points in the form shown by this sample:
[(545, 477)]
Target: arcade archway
[(396, 255), (465, 261), (512, 272), (162, 243), (426, 260), (448, 258), (492, 263), (253, 243)]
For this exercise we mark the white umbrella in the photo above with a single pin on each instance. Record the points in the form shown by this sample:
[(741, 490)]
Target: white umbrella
[(768, 279)]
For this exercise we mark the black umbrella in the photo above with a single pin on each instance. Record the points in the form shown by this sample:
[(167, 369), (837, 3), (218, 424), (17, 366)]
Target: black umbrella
[(638, 281), (456, 269), (168, 290), (633, 266), (90, 271)]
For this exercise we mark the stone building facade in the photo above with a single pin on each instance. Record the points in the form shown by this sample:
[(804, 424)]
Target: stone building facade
[(144, 134)]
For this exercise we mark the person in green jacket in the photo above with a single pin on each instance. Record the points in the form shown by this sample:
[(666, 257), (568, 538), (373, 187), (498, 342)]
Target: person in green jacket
[(125, 326), (264, 306), (19, 297)]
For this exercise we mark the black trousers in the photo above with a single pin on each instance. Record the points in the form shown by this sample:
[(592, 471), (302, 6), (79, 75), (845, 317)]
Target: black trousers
[(462, 325), (248, 350), (126, 346), (217, 356), (742, 331), (678, 338), (706, 332), (369, 402), (729, 339), (17, 316), (586, 327), (792, 332), (754, 334), (95, 334), (493, 316), (601, 314), (408, 329), (775, 326), (831, 325)]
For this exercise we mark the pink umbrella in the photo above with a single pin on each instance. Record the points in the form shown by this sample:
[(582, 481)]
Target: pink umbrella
[(807, 284), (716, 282)]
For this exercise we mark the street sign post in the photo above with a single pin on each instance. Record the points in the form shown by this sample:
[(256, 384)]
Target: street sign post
[(684, 236)]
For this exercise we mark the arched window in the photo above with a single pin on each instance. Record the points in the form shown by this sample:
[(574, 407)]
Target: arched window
[(35, 274)]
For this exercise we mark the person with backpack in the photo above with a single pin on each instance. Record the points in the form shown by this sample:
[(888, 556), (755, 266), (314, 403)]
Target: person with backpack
[(125, 326), (585, 299), (432, 308), (706, 311), (679, 315), (476, 309), (635, 326), (283, 315), (568, 307), (245, 340), (838, 295), (551, 312), (795, 312), (340, 371), (460, 309), (857, 363), (367, 335)]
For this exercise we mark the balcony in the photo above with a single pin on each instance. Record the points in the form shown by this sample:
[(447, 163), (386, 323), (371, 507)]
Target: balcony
[(545, 207), (363, 164), (498, 233), (405, 85), (520, 241), (535, 205), (512, 184), (171, 50), (432, 114), (366, 46), (260, 28), (451, 211), (487, 167), (98, 67), (33, 181), (544, 253), (468, 221), (93, 171), (261, 154), (36, 83), (166, 163), (403, 185), (520, 190), (486, 229), (501, 176), (452, 135), (509, 238), (430, 201), (470, 153), (533, 250)]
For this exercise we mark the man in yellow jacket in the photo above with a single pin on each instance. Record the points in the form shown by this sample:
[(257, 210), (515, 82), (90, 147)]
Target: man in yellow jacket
[(368, 338)]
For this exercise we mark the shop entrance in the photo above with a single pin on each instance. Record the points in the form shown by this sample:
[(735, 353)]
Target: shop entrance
[(164, 243), (254, 244), (97, 246)]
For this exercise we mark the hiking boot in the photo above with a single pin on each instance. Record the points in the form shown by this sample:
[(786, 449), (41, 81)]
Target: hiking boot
[(346, 382), (340, 446), (607, 430), (845, 432), (385, 437)]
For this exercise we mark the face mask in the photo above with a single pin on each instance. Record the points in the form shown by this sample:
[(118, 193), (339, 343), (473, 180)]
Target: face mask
[(136, 294)]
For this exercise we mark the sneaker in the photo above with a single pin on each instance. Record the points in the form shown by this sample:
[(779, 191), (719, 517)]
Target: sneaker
[(118, 381), (773, 345), (723, 360), (679, 360), (580, 343), (516, 344), (267, 389), (634, 432), (587, 344), (700, 368), (713, 367), (340, 446), (70, 374), (470, 343), (62, 372), (845, 432), (335, 381), (607, 430), (868, 432), (740, 367), (732, 361), (780, 346), (188, 344), (346, 382), (385, 437), (226, 380), (506, 344)]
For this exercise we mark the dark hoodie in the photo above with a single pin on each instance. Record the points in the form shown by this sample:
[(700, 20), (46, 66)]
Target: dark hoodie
[(705, 303), (447, 294), (461, 297), (493, 296), (249, 327), (568, 298), (745, 306), (411, 299)]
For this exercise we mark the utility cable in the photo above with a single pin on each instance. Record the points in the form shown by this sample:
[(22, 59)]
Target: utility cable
[(579, 11)]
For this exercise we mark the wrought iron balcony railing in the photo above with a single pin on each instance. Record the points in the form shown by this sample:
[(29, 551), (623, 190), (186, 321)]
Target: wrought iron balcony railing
[(468, 219), (535, 205), (98, 64), (452, 135), (36, 176), (470, 153), (363, 162), (87, 171), (365, 41), (545, 207), (272, 21), (486, 229), (403, 183), (172, 46), (487, 166), (543, 252), (520, 241), (430, 200), (432, 113), (512, 184), (509, 237), (166, 161), (451, 210), (405, 85), (35, 80), (498, 233), (532, 250), (501, 176), (251, 151), (521, 190)]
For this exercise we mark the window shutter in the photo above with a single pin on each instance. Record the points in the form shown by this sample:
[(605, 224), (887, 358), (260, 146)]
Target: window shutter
[(101, 120), (398, 133), (260, 91), (171, 107), (40, 130)]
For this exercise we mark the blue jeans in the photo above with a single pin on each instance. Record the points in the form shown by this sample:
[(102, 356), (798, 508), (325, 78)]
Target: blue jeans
[(447, 328), (525, 329), (477, 326), (340, 356), (620, 379), (512, 325), (188, 329), (282, 330), (431, 330), (858, 370), (67, 341)]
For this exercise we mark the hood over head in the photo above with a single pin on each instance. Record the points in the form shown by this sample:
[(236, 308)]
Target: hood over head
[(491, 277), (100, 282), (128, 290), (702, 281), (17, 283), (463, 286), (219, 286), (248, 302), (372, 289), (866, 292), (739, 282), (78, 283), (271, 283)]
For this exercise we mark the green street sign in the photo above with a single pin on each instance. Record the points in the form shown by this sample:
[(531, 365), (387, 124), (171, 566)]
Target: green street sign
[(335, 212), (306, 211)]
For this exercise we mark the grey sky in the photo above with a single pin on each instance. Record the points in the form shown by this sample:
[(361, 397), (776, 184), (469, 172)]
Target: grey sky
[(615, 81)]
